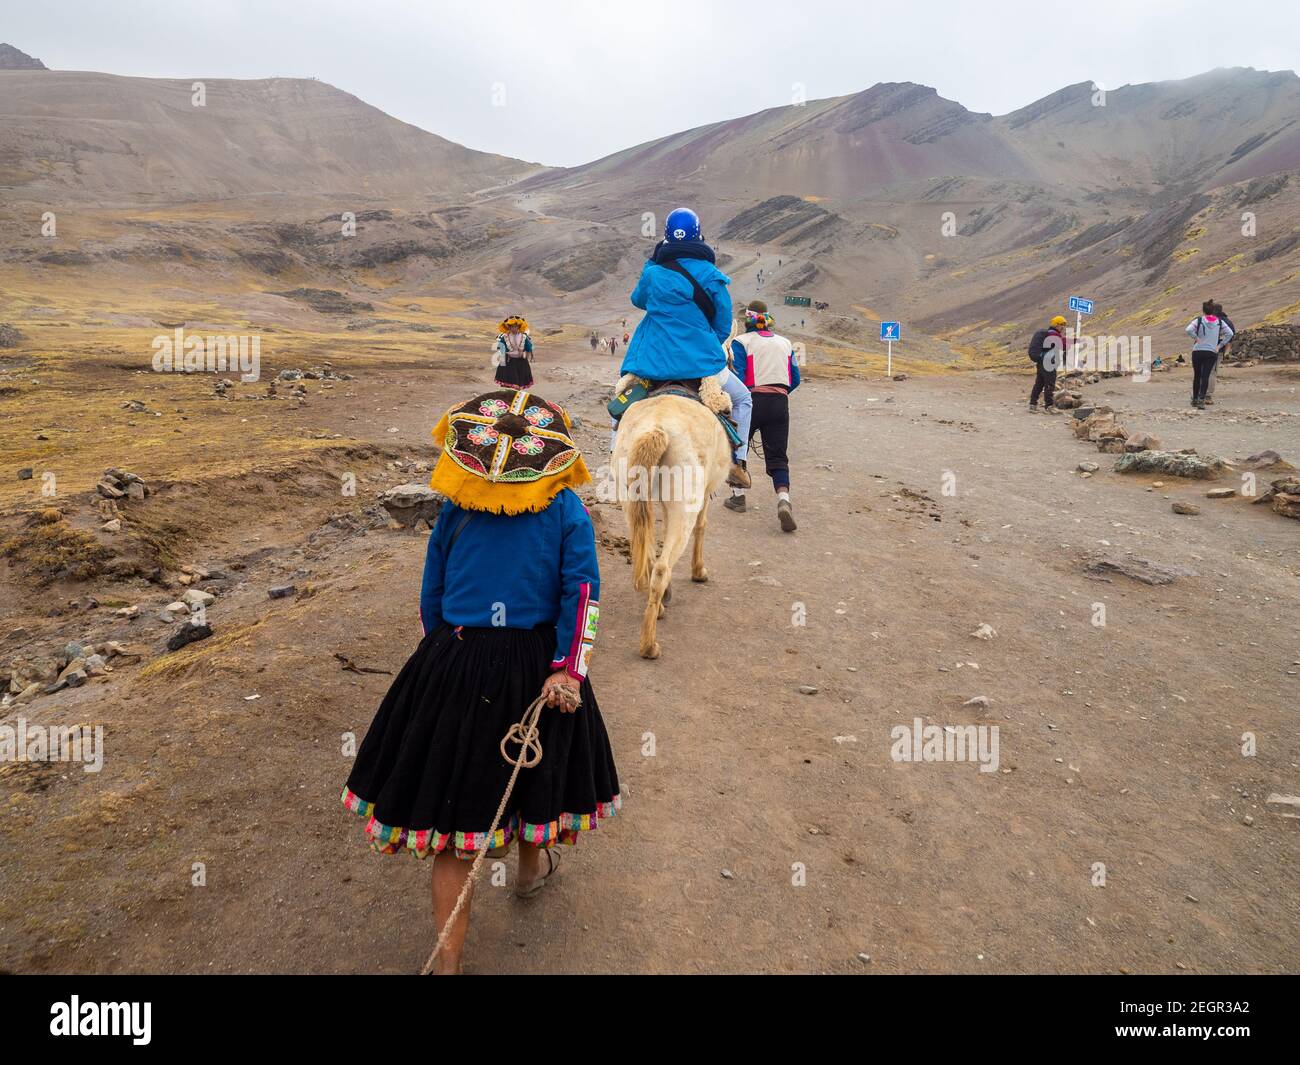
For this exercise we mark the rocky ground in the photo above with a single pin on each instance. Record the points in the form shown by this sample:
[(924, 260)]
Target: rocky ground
[(1125, 652)]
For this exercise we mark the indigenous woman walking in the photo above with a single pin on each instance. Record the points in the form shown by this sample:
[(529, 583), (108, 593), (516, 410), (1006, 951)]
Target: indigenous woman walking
[(513, 353), (509, 605)]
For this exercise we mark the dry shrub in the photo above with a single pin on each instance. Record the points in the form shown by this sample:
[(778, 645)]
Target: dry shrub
[(51, 549)]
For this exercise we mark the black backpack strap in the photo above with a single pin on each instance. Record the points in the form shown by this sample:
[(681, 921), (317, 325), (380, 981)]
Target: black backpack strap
[(701, 298)]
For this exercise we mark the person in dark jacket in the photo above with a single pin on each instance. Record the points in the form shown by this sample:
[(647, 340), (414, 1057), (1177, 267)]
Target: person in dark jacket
[(1047, 353)]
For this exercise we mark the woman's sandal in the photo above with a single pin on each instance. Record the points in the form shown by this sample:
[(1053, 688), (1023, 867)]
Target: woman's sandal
[(553, 863)]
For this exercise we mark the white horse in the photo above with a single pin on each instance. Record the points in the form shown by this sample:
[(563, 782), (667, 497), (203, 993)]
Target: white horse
[(670, 450)]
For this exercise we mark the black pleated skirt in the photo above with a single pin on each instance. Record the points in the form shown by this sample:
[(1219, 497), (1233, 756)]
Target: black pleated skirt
[(516, 373), (429, 774)]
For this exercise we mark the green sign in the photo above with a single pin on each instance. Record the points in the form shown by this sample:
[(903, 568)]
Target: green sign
[(798, 301)]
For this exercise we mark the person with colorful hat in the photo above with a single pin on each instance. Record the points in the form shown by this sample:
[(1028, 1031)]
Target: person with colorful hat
[(509, 606), (513, 353)]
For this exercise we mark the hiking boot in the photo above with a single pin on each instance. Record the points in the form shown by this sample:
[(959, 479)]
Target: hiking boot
[(1208, 401), (1033, 408), (736, 503), (739, 476), (1049, 409), (785, 515)]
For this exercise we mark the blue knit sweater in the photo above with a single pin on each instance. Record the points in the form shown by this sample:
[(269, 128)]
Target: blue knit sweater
[(517, 571)]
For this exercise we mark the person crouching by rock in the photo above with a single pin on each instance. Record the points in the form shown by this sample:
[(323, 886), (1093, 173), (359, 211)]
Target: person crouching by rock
[(513, 354), (1047, 353), (1209, 334), (509, 606), (765, 362)]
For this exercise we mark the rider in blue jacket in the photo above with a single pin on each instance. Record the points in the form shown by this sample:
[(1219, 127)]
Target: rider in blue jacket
[(676, 340)]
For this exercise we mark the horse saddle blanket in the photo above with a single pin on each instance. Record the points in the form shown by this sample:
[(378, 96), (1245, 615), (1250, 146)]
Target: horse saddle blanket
[(644, 389)]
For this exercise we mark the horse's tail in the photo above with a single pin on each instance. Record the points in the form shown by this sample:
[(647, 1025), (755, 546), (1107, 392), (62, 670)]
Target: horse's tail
[(647, 451)]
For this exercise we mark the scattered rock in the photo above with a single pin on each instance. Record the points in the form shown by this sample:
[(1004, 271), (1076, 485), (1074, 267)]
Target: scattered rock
[(1088, 467), (1220, 493), (1139, 569), (1142, 443), (96, 666), (1179, 507), (1175, 464), (281, 591), (985, 632), (25, 474), (982, 701), (808, 689), (187, 634), (195, 597), (409, 504), (1285, 805)]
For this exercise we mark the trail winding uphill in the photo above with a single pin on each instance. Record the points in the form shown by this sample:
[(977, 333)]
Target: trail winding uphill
[(766, 827)]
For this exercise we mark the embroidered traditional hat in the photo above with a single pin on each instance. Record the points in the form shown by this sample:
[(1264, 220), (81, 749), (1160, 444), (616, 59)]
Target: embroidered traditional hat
[(514, 319), (506, 452)]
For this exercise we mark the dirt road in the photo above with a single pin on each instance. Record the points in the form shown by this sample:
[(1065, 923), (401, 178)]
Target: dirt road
[(764, 829)]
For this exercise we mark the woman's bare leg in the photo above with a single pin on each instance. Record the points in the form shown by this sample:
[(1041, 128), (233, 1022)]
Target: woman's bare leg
[(449, 875), (531, 866)]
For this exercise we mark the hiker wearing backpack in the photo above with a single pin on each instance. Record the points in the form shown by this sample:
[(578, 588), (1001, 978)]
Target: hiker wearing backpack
[(1047, 353), (687, 317), (1209, 334), (1223, 350)]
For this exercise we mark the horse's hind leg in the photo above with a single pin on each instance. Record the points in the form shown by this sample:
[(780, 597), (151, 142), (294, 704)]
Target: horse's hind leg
[(675, 519), (698, 572)]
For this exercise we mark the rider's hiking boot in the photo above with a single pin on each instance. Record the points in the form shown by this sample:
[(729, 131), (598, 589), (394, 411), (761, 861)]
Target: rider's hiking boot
[(739, 476), (736, 503)]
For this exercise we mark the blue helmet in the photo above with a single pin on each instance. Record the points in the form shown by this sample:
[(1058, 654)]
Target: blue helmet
[(682, 224)]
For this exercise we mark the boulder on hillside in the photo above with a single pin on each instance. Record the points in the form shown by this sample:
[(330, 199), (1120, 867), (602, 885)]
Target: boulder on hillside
[(409, 504)]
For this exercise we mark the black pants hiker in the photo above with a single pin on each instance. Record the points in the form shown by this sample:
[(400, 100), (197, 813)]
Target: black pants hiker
[(1202, 364), (1044, 384), (771, 421)]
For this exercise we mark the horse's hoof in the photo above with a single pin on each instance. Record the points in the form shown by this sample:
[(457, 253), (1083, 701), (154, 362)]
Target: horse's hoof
[(701, 577), (668, 595), (661, 610), (653, 652)]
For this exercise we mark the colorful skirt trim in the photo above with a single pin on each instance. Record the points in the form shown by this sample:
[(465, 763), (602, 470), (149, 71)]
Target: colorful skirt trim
[(391, 839)]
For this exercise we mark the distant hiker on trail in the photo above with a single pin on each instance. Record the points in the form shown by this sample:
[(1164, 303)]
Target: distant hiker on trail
[(509, 607), (688, 316), (613, 345), (594, 341), (626, 337), (1047, 352), (1223, 350), (512, 353), (765, 362), (1209, 334)]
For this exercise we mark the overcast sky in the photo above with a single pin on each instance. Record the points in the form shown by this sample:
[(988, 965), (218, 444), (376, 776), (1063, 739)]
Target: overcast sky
[(567, 81)]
